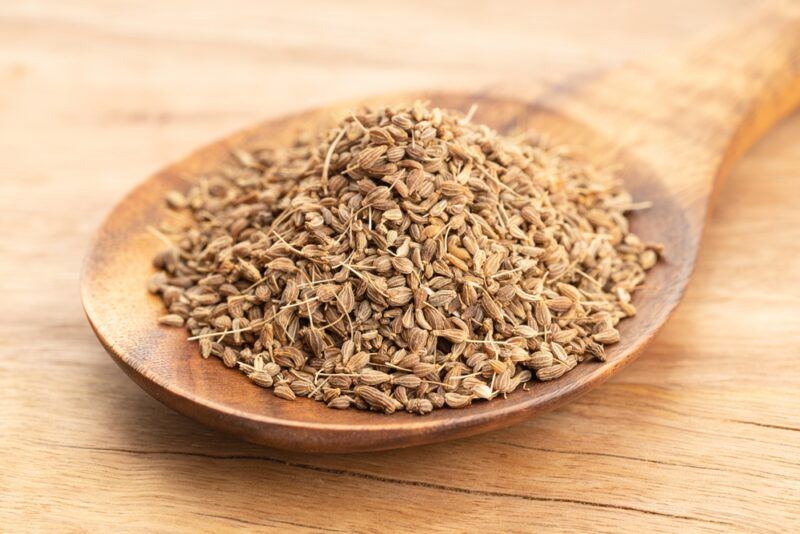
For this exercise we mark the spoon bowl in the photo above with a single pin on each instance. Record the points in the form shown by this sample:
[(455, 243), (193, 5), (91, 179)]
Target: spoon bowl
[(673, 163), (161, 360)]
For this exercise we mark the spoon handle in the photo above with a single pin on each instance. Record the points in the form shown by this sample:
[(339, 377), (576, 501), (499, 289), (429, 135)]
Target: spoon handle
[(757, 69), (693, 113)]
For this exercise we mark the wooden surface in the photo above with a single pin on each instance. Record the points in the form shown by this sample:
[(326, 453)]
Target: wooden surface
[(701, 433)]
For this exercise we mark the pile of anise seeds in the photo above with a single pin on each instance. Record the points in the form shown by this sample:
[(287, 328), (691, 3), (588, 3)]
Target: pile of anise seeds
[(406, 259)]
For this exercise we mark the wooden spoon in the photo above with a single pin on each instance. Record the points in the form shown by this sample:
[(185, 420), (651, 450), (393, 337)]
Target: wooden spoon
[(676, 125)]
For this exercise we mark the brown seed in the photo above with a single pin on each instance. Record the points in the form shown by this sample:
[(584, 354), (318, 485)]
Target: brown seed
[(607, 337), (229, 357), (357, 362), (442, 298), (648, 259), (281, 264), (284, 392), (205, 347), (569, 291), (456, 400), (491, 308), (628, 308), (171, 320), (417, 338), (549, 373), (482, 390), (346, 299), (340, 403), (395, 153), (289, 357), (370, 156), (542, 313), (502, 382), (559, 352), (407, 381), (176, 200), (249, 271), (408, 319), (327, 292), (399, 296), (376, 398), (372, 377), (261, 378), (402, 265), (451, 334), (393, 215), (559, 304), (419, 406), (424, 369), (301, 387), (525, 331), (541, 359)]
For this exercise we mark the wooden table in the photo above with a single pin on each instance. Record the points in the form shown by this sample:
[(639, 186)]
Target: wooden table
[(702, 433)]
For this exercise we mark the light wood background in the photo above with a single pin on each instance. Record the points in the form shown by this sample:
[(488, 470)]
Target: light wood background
[(701, 434)]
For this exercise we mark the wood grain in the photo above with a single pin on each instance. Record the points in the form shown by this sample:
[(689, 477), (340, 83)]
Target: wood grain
[(701, 433)]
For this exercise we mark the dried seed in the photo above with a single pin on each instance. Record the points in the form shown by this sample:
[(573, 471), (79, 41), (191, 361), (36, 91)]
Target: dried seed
[(399, 296), (482, 391), (340, 403), (402, 265), (393, 215), (542, 313), (452, 334), (376, 398), (419, 406), (525, 331), (249, 271), (371, 377), (648, 259), (559, 304), (456, 400), (284, 392), (171, 320), (549, 373), (407, 381), (607, 337), (229, 357), (176, 200), (261, 378)]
